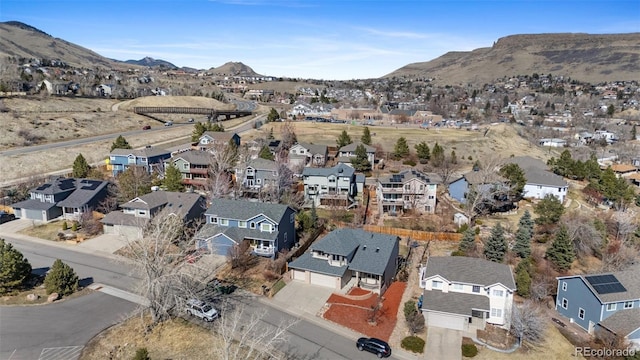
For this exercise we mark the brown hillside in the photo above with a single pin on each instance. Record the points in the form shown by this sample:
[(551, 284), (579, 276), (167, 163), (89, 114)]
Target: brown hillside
[(585, 57)]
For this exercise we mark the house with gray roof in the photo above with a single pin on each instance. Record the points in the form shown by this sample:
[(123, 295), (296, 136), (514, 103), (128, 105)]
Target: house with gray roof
[(69, 198), (335, 186), (150, 158), (349, 257), (602, 302), (269, 228), (407, 190), (463, 293), (540, 181), (309, 154), (347, 152), (480, 180), (257, 174), (210, 139), (133, 215), (193, 166)]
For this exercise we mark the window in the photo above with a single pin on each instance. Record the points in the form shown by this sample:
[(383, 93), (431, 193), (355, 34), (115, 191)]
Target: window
[(476, 289), (292, 218), (252, 225), (436, 284), (214, 220), (498, 293), (496, 312), (581, 313), (431, 197), (564, 286), (407, 187), (224, 222), (332, 179), (565, 303), (406, 198), (265, 227), (285, 238), (628, 305), (611, 307), (242, 224), (185, 166), (421, 187), (458, 287)]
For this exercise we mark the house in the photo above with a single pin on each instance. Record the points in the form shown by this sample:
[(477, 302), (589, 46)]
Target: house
[(104, 90), (347, 152), (331, 186), (409, 189), (459, 187), (212, 138), (133, 215), (193, 166), (269, 228), (464, 293), (367, 260), (258, 173), (150, 158), (624, 170), (309, 154), (607, 301), (553, 142), (540, 181), (66, 197)]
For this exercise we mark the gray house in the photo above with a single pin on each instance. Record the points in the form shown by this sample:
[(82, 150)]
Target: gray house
[(364, 259), (269, 228), (66, 197), (347, 152), (331, 186), (459, 187), (463, 293), (308, 154), (213, 138), (136, 213), (609, 302), (258, 173)]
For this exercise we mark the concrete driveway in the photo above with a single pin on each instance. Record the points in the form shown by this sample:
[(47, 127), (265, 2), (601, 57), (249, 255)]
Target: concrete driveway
[(443, 344), (302, 298)]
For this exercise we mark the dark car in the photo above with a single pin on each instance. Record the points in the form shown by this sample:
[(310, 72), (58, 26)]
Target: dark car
[(146, 127), (6, 217), (373, 345)]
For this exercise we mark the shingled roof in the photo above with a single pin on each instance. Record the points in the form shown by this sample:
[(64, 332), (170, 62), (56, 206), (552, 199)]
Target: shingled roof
[(469, 270), (243, 209)]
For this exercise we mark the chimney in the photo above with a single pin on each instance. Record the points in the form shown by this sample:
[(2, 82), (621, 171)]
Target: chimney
[(364, 247), (377, 249)]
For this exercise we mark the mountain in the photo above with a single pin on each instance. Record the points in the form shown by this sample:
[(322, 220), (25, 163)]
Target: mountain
[(21, 40), (151, 62), (585, 57), (234, 69)]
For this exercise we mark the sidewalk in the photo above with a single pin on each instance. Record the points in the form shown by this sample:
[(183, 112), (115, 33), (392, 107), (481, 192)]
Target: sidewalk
[(335, 328)]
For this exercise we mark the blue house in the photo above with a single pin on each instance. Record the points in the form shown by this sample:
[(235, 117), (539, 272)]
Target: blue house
[(596, 302), (269, 228), (150, 158), (480, 181)]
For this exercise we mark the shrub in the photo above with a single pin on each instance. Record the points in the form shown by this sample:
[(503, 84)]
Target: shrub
[(61, 279), (141, 354), (14, 268), (458, 253), (278, 286), (409, 162), (74, 227), (414, 344), (65, 226), (463, 228), (469, 350), (410, 308)]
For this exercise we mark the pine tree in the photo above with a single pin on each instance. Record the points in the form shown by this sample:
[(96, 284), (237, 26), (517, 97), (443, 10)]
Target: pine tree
[(366, 136), (314, 215), (524, 234), (172, 179), (61, 279), (423, 152), (437, 155), (561, 253), (549, 210), (265, 153), (120, 143), (523, 280), (526, 221), (344, 139), (401, 149), (273, 115), (81, 167), (14, 268), (361, 161), (496, 246), (468, 241)]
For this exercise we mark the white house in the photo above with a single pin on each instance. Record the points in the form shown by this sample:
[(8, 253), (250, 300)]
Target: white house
[(554, 142), (540, 181), (464, 293), (407, 190)]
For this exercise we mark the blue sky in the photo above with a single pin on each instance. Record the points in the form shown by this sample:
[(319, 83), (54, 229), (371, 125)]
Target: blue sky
[(330, 39)]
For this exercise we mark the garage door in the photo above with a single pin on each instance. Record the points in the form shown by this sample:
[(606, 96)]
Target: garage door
[(299, 275), (446, 321), (323, 280)]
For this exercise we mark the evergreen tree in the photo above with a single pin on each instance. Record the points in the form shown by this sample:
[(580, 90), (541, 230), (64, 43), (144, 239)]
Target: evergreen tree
[(523, 278), (120, 143), (401, 149), (561, 252), (14, 268), (522, 247), (526, 221), (344, 139), (423, 152), (496, 246), (273, 115), (314, 215), (468, 241), (172, 179), (437, 155), (361, 161), (198, 129), (265, 153), (366, 136), (61, 279), (549, 210), (517, 180), (454, 158), (634, 133), (81, 167)]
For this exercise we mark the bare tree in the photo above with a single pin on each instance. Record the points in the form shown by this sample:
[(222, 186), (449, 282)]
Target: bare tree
[(624, 223), (167, 280), (223, 159), (527, 323), (583, 234), (288, 134), (618, 256), (540, 289), (243, 334), (133, 182), (446, 169)]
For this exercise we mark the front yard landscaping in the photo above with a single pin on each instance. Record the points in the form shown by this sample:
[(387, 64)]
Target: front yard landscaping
[(354, 311)]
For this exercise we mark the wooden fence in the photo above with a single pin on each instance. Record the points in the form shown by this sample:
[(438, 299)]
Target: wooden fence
[(414, 234)]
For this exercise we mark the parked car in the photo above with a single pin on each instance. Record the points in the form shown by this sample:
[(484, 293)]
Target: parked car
[(146, 127), (6, 217), (373, 345), (168, 123), (190, 120), (201, 309)]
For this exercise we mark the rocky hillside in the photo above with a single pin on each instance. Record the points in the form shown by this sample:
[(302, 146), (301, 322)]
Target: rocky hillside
[(151, 62), (234, 69), (585, 57)]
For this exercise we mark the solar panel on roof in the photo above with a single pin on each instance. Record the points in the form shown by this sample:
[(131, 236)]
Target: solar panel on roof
[(605, 284), (601, 279)]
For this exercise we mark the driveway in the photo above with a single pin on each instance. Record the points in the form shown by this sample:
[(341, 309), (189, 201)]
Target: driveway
[(303, 298), (443, 344)]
